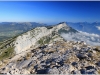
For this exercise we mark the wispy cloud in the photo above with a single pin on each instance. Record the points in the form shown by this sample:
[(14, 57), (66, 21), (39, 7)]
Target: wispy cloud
[(91, 39), (98, 27)]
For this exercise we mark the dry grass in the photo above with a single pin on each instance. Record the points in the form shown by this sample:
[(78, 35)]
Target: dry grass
[(4, 63), (97, 48), (71, 59), (96, 56), (98, 71), (28, 56), (19, 59)]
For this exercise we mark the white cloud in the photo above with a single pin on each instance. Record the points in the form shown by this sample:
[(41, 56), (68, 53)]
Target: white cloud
[(91, 39), (98, 27)]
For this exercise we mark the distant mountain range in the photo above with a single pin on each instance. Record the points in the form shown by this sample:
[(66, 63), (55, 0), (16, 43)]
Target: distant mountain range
[(5, 26), (10, 29), (86, 27)]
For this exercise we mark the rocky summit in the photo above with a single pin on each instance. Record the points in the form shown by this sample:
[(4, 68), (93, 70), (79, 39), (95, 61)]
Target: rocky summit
[(43, 51)]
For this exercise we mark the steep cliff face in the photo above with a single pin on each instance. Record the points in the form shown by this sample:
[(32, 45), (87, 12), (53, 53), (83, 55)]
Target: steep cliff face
[(31, 38)]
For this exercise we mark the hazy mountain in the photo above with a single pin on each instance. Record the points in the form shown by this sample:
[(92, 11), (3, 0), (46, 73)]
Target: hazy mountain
[(11, 29), (86, 27)]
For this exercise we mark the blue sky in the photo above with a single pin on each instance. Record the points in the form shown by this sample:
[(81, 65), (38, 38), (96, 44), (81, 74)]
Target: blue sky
[(49, 11)]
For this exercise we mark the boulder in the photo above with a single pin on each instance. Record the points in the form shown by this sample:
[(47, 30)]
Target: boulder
[(82, 56), (97, 48), (98, 63)]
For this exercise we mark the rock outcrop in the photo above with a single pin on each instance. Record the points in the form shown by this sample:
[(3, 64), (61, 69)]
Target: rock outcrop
[(30, 38)]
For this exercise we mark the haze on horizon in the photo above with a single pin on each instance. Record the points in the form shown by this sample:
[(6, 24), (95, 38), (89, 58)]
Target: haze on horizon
[(49, 11)]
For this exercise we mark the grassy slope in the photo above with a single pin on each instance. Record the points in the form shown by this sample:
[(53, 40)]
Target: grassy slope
[(7, 53)]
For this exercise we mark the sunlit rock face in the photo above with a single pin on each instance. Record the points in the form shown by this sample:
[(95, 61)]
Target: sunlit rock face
[(30, 38)]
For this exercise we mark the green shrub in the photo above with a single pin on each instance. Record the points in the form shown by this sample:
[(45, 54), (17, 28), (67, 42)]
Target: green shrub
[(7, 53), (44, 40)]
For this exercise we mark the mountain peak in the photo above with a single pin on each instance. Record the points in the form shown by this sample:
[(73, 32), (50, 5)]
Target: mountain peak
[(62, 23)]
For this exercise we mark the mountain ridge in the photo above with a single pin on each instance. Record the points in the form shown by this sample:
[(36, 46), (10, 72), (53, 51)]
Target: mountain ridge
[(43, 50), (31, 34)]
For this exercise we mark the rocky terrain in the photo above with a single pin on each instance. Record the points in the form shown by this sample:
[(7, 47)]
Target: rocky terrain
[(60, 57), (43, 51)]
